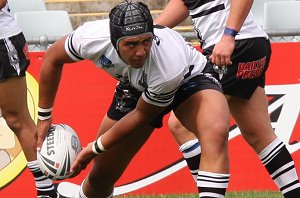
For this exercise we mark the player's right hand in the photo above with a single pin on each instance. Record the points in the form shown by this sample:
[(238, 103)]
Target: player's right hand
[(42, 130)]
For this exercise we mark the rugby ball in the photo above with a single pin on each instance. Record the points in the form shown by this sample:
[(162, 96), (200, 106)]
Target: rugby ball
[(58, 152)]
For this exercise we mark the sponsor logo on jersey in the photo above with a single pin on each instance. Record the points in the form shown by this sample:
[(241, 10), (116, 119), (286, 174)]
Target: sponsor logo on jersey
[(105, 62), (143, 80)]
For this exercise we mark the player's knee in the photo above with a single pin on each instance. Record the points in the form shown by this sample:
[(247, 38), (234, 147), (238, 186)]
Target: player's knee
[(12, 121), (174, 124), (259, 139), (220, 130)]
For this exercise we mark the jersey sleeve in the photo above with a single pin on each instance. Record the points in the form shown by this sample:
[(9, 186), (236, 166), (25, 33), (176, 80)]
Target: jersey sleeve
[(73, 43)]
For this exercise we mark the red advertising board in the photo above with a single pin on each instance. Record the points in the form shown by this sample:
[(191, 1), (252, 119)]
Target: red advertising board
[(84, 96)]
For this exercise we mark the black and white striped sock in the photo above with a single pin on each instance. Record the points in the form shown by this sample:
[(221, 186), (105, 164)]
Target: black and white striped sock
[(212, 184), (191, 151), (44, 185), (280, 165)]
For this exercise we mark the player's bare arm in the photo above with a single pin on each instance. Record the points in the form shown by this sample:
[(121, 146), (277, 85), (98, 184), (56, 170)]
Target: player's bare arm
[(170, 18), (50, 75), (222, 51), (140, 116), (239, 10)]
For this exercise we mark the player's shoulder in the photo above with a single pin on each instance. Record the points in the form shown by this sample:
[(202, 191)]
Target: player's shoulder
[(97, 23), (89, 39), (95, 29), (160, 30), (166, 37)]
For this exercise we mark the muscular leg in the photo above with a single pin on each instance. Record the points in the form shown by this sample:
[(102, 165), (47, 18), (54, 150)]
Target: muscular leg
[(13, 105), (208, 118), (253, 120), (180, 134), (109, 166), (188, 144), (258, 133)]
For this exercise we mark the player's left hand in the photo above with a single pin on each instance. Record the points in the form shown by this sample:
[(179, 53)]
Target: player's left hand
[(82, 160), (222, 51)]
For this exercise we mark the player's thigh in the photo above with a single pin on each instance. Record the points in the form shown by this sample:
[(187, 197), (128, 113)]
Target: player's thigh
[(205, 113), (13, 96), (251, 114)]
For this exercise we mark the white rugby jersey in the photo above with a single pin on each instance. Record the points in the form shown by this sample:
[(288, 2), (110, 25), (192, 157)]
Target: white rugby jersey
[(171, 61), (8, 25), (209, 18)]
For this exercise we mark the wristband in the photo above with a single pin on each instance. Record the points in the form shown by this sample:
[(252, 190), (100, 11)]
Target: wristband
[(97, 146), (44, 114), (230, 32)]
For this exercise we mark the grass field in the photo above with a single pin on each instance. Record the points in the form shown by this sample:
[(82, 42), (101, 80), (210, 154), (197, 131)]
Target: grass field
[(228, 195)]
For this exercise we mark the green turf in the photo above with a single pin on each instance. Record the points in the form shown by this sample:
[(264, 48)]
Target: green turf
[(228, 195), (254, 195)]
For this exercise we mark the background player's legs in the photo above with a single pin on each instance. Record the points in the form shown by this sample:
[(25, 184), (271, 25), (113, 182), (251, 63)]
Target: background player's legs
[(254, 122), (253, 119), (188, 144), (109, 166), (13, 104)]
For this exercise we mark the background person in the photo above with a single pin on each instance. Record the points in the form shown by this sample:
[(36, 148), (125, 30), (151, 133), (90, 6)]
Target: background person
[(229, 35), (14, 61)]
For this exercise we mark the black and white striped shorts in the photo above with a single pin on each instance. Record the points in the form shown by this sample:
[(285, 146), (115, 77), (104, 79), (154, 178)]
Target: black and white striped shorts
[(14, 56)]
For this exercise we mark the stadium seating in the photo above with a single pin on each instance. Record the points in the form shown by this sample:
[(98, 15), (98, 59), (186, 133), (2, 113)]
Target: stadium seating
[(27, 5), (282, 17), (44, 27)]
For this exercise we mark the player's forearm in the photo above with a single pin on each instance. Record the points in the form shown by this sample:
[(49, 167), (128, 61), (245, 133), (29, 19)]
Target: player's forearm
[(135, 121), (173, 14), (48, 83), (132, 122), (51, 72), (239, 11)]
